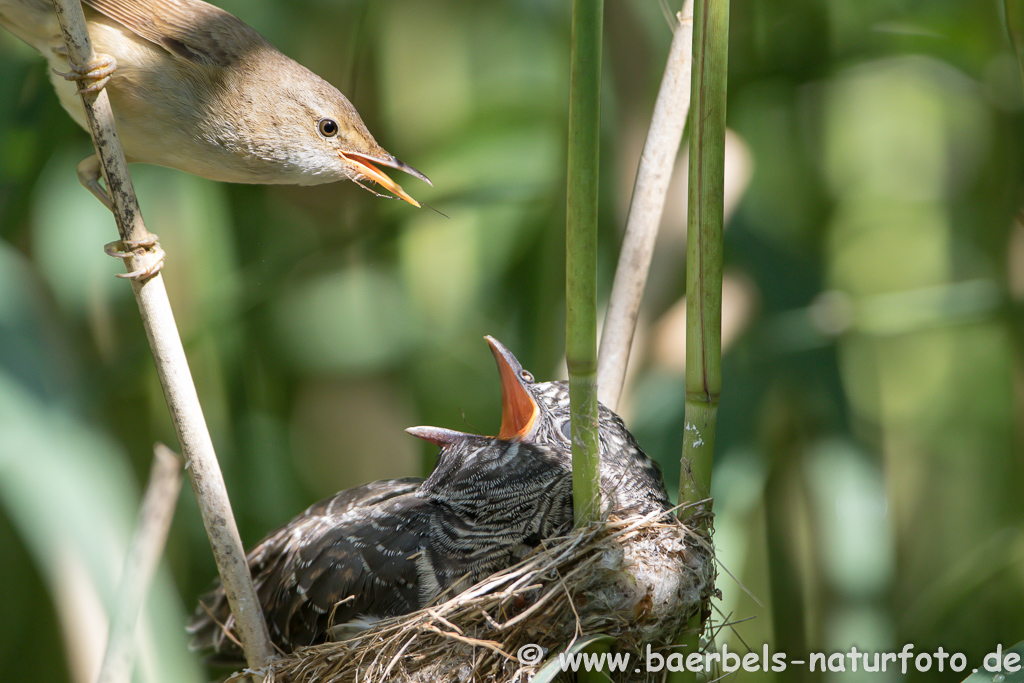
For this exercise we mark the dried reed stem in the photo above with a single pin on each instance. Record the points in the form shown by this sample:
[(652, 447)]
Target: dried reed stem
[(652, 178), (141, 561), (169, 355)]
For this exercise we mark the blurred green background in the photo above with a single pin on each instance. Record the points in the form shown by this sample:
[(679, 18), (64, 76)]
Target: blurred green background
[(869, 475)]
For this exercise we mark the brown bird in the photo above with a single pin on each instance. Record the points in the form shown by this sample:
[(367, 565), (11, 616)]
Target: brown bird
[(196, 89), (538, 413), (391, 547)]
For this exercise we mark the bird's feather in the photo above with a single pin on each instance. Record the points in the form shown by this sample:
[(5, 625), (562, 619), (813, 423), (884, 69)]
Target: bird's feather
[(191, 29), (391, 547)]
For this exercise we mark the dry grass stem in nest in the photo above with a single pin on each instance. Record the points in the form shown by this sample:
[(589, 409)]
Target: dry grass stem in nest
[(637, 579)]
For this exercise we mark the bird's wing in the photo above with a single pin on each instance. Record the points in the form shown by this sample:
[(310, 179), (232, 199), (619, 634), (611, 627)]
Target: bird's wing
[(363, 568), (341, 504), (272, 560), (190, 29)]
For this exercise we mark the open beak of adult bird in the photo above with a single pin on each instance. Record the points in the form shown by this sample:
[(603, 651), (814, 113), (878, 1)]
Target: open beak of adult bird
[(519, 410), (364, 164)]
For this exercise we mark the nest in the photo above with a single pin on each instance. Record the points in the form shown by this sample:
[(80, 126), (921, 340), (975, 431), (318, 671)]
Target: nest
[(638, 579)]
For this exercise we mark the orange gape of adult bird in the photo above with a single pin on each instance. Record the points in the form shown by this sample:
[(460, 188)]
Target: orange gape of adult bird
[(196, 89)]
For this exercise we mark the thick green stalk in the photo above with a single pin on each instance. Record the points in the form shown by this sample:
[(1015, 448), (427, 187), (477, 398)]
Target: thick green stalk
[(581, 253), (704, 246), (704, 268)]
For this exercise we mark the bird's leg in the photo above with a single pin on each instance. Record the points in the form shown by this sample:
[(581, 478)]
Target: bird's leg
[(93, 76), (124, 249), (98, 72), (89, 176)]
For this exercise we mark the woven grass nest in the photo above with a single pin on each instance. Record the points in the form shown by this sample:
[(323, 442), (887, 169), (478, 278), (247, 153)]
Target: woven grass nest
[(638, 579)]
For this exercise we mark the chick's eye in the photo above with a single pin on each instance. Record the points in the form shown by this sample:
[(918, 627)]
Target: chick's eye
[(328, 127), (527, 377), (567, 430)]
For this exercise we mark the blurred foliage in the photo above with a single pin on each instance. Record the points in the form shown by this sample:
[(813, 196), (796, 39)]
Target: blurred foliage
[(870, 445)]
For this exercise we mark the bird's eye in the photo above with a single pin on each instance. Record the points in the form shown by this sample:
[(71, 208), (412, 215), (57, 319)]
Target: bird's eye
[(328, 127), (567, 430), (527, 377)]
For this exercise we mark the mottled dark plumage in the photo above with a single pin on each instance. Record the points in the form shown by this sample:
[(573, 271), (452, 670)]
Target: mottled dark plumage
[(391, 547), (538, 413)]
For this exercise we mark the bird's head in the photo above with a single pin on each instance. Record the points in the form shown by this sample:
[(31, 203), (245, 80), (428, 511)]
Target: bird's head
[(538, 413), (531, 411), (329, 141)]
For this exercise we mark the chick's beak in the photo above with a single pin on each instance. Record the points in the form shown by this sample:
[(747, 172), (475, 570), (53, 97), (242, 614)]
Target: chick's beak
[(438, 436), (364, 164), (518, 409)]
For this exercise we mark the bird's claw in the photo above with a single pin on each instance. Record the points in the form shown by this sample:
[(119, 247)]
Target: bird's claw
[(93, 76), (148, 247)]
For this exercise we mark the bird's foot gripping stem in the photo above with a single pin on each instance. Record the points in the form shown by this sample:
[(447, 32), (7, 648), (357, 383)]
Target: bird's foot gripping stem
[(93, 76), (147, 249)]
